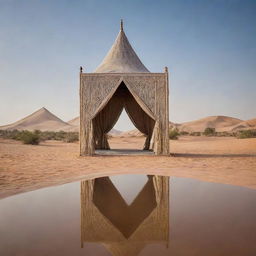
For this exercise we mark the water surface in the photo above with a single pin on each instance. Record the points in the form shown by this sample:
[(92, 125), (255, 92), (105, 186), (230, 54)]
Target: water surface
[(130, 215)]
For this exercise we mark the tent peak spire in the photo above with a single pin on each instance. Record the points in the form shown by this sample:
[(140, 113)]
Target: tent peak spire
[(121, 58), (121, 25)]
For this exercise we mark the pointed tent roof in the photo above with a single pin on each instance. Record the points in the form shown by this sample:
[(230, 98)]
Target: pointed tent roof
[(121, 58)]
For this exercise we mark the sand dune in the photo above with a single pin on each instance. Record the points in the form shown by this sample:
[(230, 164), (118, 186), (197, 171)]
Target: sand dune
[(75, 122), (251, 122), (137, 133), (44, 120), (173, 125), (220, 123), (114, 132), (132, 133), (41, 119), (245, 125), (74, 125)]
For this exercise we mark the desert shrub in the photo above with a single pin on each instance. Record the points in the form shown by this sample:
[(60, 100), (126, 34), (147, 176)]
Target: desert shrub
[(47, 135), (28, 137), (9, 134), (37, 136), (60, 135), (71, 137), (195, 134), (225, 134), (184, 133), (37, 132), (14, 134), (209, 131), (173, 134), (246, 134)]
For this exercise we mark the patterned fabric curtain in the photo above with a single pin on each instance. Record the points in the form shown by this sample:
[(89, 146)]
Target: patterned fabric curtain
[(140, 119), (105, 120)]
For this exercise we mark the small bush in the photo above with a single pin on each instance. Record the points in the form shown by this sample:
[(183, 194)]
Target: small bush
[(184, 133), (195, 134), (28, 137), (60, 135), (37, 136), (47, 135), (6, 134), (173, 134), (225, 134), (71, 137), (209, 131), (246, 134)]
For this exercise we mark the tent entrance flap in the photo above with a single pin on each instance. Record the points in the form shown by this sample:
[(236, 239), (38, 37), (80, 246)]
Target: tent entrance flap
[(105, 120)]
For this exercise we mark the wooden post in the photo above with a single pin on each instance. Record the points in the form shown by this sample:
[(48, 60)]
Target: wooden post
[(82, 114), (166, 142)]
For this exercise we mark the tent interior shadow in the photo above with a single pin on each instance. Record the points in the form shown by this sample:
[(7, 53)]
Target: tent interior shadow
[(105, 120)]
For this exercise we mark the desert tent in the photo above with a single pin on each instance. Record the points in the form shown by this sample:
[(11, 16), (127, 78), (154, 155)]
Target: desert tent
[(122, 81)]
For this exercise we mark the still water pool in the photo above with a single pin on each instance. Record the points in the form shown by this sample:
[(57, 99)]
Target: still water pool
[(130, 215)]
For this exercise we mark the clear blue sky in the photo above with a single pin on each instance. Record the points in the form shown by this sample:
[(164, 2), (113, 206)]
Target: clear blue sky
[(209, 47)]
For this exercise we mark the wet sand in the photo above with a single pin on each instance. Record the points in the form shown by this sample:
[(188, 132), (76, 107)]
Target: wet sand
[(223, 160)]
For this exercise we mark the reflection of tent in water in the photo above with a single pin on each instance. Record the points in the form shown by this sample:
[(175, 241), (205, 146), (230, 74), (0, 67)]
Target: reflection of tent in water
[(122, 81), (125, 229)]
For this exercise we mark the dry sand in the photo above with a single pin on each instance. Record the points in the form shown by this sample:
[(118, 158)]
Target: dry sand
[(224, 160)]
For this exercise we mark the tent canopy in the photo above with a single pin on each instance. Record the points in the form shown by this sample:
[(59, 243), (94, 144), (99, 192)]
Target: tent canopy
[(121, 58), (122, 81)]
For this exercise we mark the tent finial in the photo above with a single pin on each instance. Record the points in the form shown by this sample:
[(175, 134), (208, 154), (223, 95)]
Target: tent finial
[(121, 25)]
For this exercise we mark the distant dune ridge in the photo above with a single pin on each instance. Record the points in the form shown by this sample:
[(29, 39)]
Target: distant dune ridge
[(131, 133), (41, 119), (220, 123), (75, 122), (245, 125), (44, 120)]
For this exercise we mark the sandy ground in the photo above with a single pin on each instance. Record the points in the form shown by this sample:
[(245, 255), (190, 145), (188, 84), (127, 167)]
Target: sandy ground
[(223, 160)]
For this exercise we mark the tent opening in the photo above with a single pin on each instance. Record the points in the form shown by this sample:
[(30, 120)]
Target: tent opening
[(106, 119), (124, 124)]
